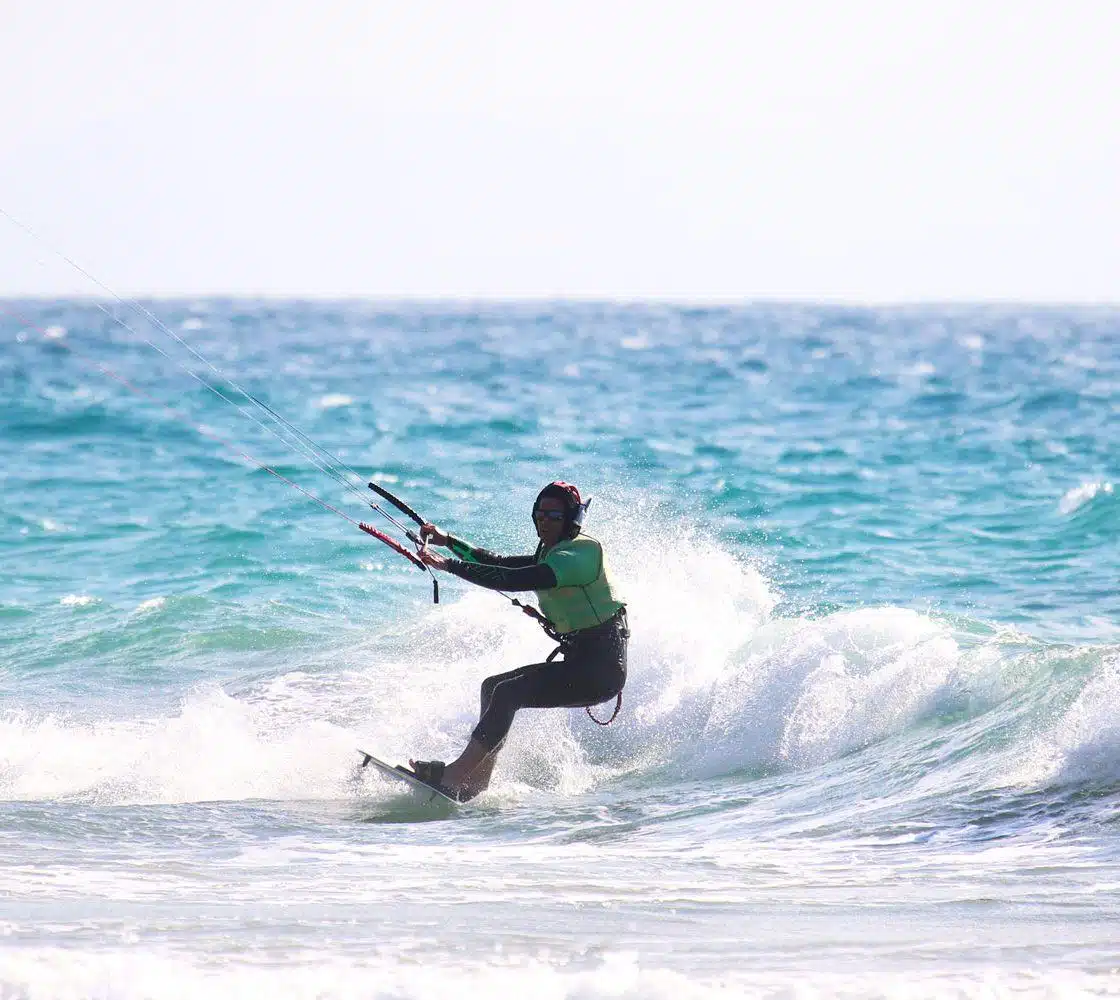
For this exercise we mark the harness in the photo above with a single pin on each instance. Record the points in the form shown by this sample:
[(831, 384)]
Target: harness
[(564, 641)]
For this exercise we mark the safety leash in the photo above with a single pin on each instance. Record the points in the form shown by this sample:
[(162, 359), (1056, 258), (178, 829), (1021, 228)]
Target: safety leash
[(614, 714)]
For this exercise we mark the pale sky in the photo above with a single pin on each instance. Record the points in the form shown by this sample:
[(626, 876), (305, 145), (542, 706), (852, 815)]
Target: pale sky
[(857, 151)]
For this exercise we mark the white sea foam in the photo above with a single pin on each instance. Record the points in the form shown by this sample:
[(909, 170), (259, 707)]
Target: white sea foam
[(215, 747), (333, 400), (1084, 745), (154, 604), (1080, 495), (637, 342), (77, 600), (802, 692), (919, 368), (122, 973)]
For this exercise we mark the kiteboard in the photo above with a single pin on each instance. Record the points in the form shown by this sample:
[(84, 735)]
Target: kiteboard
[(405, 775)]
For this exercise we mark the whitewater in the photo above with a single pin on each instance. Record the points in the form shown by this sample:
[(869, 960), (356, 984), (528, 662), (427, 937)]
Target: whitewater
[(869, 744)]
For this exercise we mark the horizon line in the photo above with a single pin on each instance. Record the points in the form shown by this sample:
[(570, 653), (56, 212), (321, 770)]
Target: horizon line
[(684, 302)]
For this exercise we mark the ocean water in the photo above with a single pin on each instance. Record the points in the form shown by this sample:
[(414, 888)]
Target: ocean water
[(869, 747)]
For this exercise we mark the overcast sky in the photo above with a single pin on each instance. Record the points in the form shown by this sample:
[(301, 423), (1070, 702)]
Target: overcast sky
[(852, 151)]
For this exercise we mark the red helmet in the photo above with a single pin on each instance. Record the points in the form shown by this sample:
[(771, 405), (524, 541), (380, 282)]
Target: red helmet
[(574, 505)]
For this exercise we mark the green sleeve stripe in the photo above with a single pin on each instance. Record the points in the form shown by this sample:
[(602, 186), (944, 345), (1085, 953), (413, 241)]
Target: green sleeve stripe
[(463, 550)]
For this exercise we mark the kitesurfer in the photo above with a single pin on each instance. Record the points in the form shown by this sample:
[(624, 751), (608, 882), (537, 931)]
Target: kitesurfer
[(569, 575)]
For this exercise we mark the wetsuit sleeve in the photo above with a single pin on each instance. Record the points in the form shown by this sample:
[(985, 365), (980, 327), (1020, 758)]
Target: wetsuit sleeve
[(473, 554), (531, 577)]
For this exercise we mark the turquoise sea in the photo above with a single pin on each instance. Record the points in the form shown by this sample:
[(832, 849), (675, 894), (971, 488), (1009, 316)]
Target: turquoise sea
[(869, 747)]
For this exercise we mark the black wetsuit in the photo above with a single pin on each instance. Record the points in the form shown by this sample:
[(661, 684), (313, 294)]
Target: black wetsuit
[(593, 668)]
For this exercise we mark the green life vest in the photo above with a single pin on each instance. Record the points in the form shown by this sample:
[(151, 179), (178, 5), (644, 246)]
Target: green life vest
[(582, 597)]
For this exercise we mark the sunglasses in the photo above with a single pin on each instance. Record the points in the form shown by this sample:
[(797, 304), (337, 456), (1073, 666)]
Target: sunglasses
[(549, 515)]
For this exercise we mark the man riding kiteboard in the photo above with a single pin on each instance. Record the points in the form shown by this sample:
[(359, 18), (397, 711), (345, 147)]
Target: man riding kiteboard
[(569, 575)]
